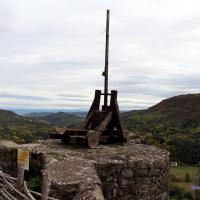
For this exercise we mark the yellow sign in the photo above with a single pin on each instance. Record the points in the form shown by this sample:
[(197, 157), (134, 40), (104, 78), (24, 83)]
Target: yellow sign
[(23, 158)]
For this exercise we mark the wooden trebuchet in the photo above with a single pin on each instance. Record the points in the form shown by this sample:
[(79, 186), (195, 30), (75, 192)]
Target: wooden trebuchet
[(102, 123)]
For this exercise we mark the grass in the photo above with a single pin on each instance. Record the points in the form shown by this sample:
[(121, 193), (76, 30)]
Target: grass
[(34, 183), (180, 173), (185, 185)]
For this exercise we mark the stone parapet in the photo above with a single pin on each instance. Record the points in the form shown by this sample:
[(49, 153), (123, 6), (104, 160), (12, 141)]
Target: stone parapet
[(121, 172)]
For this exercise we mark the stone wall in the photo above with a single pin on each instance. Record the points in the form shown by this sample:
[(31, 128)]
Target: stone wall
[(8, 157), (117, 172), (138, 180)]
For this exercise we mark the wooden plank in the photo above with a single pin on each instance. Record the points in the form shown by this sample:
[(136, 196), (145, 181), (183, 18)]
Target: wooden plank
[(23, 158), (96, 102), (28, 192), (104, 123), (116, 114), (20, 178), (88, 119), (45, 186)]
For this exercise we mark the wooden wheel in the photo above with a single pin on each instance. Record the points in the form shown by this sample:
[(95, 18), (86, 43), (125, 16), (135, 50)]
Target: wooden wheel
[(65, 139), (92, 139)]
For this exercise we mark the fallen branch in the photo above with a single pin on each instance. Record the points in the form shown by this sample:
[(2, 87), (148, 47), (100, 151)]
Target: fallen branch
[(9, 190), (39, 194), (9, 194), (13, 188), (28, 192)]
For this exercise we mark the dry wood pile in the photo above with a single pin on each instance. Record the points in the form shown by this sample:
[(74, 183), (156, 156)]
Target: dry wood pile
[(10, 191)]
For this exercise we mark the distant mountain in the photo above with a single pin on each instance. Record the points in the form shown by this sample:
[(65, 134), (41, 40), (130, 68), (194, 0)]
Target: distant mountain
[(22, 129), (38, 114), (44, 114), (6, 116), (79, 114), (128, 113), (174, 123), (62, 119), (24, 111), (182, 111), (11, 118), (34, 126)]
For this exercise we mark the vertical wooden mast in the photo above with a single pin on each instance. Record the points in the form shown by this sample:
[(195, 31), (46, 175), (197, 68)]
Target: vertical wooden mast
[(106, 60)]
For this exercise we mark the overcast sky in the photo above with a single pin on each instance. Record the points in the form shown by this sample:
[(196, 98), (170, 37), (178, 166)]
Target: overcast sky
[(52, 51)]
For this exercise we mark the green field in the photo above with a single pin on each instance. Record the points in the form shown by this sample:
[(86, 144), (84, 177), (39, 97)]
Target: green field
[(180, 172)]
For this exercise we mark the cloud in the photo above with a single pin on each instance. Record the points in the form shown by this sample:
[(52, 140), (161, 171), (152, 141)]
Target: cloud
[(53, 51), (24, 97), (72, 95)]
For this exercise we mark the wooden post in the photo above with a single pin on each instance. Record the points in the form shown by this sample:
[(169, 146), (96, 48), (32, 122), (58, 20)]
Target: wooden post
[(20, 178), (106, 60), (22, 163), (45, 186)]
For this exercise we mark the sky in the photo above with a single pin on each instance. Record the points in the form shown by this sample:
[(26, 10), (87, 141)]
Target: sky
[(52, 51)]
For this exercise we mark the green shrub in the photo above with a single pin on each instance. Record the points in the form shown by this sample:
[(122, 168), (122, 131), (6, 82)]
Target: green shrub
[(34, 183), (187, 177)]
